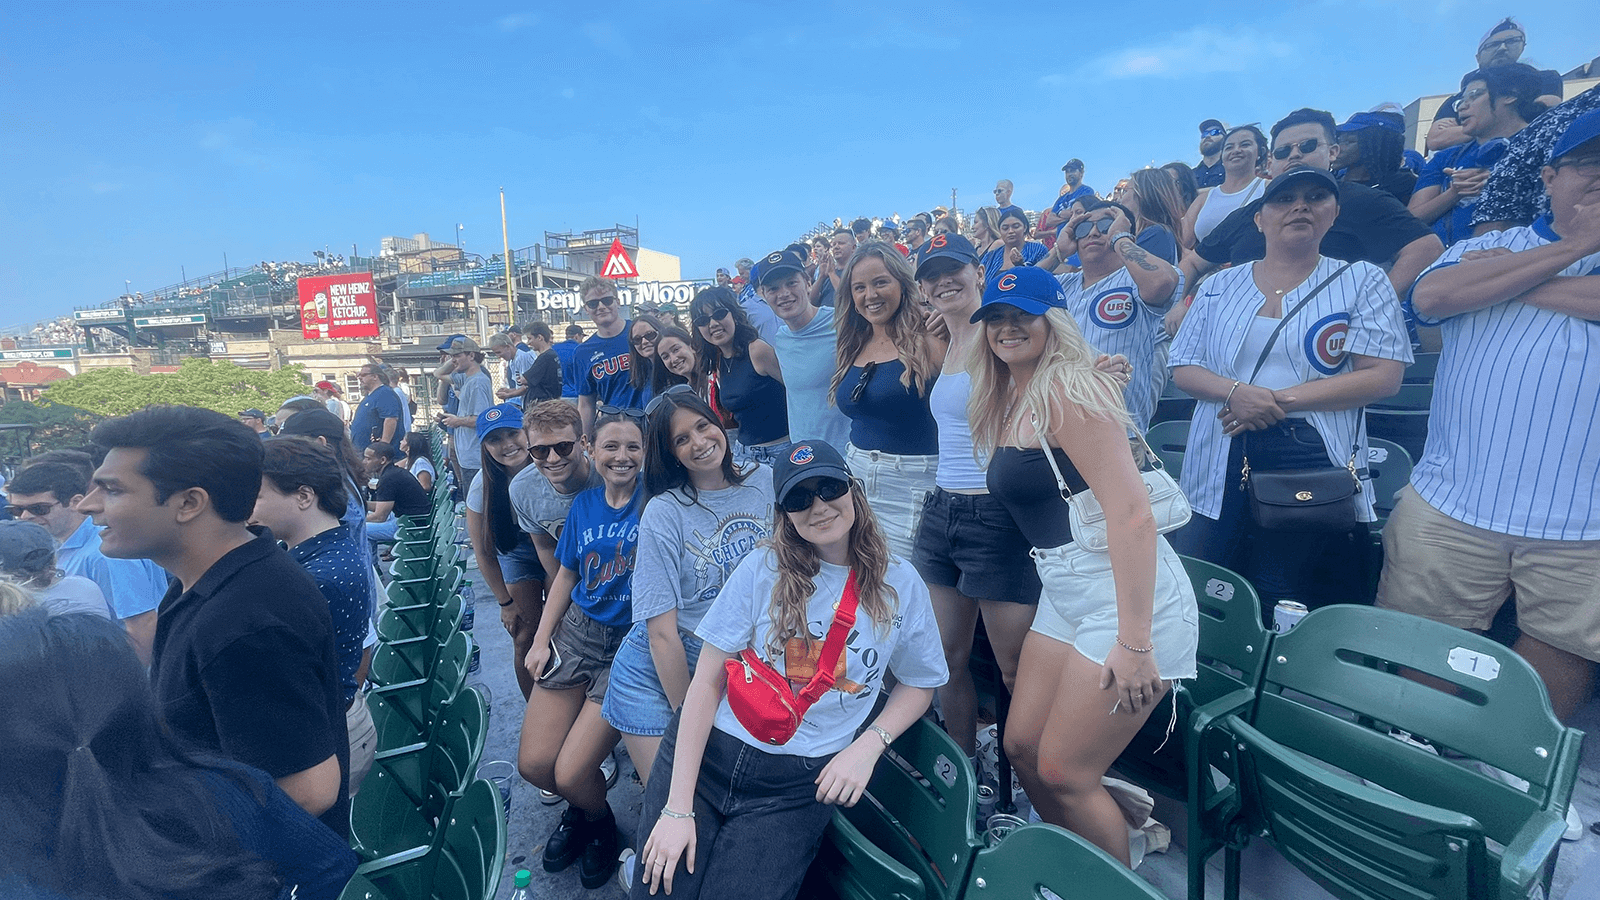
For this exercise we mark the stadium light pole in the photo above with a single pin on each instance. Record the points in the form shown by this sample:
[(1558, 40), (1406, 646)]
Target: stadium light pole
[(505, 238)]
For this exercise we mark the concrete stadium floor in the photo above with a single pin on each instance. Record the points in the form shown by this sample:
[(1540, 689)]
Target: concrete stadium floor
[(1266, 875)]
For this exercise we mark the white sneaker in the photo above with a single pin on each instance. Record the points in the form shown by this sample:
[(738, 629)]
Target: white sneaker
[(628, 863), (549, 798), (608, 768), (1574, 825)]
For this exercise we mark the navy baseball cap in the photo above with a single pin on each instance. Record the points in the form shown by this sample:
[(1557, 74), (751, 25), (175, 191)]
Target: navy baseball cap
[(1073, 163), (778, 262), (1363, 120), (445, 347), (1298, 174), (1028, 288), (946, 246), (503, 415), (1583, 129), (252, 413), (807, 459)]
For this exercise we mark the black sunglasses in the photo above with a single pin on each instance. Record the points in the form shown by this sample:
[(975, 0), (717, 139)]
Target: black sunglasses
[(649, 337), (660, 399), (704, 319), (1307, 147), (34, 509), (1101, 225), (542, 451), (799, 499), (598, 302), (860, 390)]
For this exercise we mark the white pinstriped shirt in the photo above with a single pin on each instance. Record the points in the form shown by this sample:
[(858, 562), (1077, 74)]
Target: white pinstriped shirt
[(1357, 313), (1114, 319), (1513, 443)]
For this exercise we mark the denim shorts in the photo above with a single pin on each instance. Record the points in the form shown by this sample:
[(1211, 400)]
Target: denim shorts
[(521, 564), (767, 454), (635, 701), (970, 542), (586, 649), (895, 485)]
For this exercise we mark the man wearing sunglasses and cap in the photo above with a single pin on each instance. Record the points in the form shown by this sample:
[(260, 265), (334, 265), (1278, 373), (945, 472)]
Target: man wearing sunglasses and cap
[(602, 360), (1372, 225), (463, 371), (1209, 172), (1503, 502)]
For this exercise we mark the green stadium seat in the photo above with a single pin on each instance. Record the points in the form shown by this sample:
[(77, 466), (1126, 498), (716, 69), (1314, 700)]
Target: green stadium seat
[(1402, 418), (463, 864), (418, 701), (1043, 857), (1169, 440), (1390, 465)]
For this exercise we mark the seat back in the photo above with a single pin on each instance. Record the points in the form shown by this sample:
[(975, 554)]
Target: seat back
[(464, 864), (853, 864), (1390, 466), (419, 701), (1354, 840), (1042, 857), (1402, 418), (1169, 441), (1422, 369), (359, 888), (1346, 676), (1232, 653), (926, 785)]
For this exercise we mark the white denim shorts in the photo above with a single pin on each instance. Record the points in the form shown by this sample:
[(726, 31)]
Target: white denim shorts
[(895, 485), (1078, 606)]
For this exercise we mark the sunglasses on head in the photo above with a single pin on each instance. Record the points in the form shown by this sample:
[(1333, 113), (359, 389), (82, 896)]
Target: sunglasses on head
[(1307, 147), (704, 319), (34, 509), (660, 399), (542, 451), (1101, 225), (622, 412), (598, 302), (799, 499)]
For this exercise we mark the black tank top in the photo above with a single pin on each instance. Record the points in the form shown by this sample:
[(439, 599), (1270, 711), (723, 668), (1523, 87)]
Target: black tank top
[(1022, 481), (757, 401)]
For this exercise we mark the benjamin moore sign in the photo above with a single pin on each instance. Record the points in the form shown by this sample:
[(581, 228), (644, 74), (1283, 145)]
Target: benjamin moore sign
[(163, 321), (49, 353), (652, 292), (100, 315)]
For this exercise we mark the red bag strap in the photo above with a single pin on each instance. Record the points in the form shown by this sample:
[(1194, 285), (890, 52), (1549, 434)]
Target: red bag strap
[(844, 618)]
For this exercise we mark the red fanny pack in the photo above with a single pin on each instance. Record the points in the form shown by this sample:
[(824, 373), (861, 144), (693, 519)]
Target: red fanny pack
[(761, 697)]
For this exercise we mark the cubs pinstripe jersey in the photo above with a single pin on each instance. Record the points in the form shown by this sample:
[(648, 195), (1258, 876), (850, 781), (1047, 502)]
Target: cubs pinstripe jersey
[(1357, 313), (1513, 445), (1114, 318)]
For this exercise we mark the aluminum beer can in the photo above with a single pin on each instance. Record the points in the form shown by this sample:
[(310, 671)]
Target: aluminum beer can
[(473, 662), (1287, 615), (986, 802)]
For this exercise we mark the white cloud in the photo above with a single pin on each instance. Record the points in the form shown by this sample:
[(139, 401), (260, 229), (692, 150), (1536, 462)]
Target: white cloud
[(516, 22), (1197, 51)]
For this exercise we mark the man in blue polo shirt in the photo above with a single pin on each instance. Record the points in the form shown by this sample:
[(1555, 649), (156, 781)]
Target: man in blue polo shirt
[(378, 416)]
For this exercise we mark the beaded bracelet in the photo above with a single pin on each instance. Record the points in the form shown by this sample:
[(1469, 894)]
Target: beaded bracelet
[(1127, 646), (669, 814)]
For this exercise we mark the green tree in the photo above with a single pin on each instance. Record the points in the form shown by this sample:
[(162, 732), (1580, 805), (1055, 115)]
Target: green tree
[(210, 384), (53, 427)]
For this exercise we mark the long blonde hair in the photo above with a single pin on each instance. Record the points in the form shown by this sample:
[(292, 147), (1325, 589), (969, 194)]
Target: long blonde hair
[(798, 565), (1065, 376), (906, 327)]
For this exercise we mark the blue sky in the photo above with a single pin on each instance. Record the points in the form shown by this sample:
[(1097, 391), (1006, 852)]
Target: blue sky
[(146, 139)]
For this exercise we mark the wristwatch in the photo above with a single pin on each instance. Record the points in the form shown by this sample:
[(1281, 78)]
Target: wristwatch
[(1119, 236)]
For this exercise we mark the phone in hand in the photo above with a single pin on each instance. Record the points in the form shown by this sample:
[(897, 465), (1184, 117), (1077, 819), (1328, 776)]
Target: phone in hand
[(551, 664)]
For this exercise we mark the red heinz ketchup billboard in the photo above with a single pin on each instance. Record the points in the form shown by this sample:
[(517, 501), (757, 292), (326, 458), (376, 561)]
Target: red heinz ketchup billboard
[(338, 306)]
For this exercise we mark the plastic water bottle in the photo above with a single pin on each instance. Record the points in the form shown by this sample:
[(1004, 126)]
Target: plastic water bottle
[(468, 601), (520, 882)]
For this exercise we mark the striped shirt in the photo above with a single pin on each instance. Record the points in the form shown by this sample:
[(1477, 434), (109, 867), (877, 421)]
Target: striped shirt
[(1357, 313), (1114, 318), (1512, 442)]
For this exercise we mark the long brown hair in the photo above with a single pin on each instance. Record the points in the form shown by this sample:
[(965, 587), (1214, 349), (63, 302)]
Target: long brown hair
[(798, 565), (906, 327)]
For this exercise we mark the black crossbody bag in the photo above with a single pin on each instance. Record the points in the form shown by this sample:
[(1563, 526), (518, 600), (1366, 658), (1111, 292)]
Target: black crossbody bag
[(1320, 500)]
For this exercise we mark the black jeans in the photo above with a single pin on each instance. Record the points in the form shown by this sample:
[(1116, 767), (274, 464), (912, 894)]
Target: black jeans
[(1315, 569), (757, 820)]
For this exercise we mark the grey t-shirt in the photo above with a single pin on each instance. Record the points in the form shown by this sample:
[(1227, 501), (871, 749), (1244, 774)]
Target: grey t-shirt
[(907, 645), (474, 394), (688, 547), (74, 594), (539, 507)]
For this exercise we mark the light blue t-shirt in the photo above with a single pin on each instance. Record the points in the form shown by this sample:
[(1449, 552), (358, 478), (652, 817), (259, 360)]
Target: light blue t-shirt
[(807, 362), (133, 586)]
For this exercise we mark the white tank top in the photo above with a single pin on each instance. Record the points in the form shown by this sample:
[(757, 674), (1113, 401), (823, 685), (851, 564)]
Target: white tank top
[(958, 469), (1276, 373), (1219, 203)]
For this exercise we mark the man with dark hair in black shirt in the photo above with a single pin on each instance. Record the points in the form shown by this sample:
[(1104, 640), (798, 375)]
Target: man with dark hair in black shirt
[(243, 661), (1372, 225)]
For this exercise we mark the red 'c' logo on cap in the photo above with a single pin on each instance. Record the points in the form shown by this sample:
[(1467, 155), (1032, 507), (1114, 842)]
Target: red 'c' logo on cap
[(1007, 281), (938, 241)]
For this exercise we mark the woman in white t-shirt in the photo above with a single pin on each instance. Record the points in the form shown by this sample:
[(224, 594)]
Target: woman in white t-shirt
[(726, 815), (419, 460)]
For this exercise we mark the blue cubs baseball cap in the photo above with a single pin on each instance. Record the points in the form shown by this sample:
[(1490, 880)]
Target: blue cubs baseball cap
[(778, 262), (445, 347), (946, 246), (503, 415), (807, 459), (1583, 129), (1030, 289), (1363, 120)]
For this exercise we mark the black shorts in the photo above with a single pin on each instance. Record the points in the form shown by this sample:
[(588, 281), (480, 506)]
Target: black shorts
[(969, 542)]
